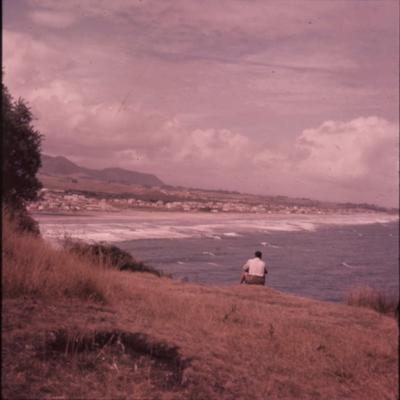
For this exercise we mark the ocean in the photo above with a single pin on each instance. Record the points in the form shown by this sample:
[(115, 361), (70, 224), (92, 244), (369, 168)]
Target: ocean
[(316, 256)]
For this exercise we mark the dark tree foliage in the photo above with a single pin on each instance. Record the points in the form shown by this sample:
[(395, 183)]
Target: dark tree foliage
[(21, 153), (22, 220)]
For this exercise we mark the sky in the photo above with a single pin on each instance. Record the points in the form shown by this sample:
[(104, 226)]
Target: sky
[(276, 97)]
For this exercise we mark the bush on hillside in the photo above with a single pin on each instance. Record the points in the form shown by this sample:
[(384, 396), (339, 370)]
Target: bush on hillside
[(21, 220), (107, 254), (372, 298)]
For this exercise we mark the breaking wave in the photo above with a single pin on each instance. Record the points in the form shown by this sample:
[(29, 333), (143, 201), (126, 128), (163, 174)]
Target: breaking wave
[(116, 228)]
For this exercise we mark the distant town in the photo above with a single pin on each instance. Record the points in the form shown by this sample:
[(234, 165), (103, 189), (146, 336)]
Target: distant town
[(70, 188), (185, 200)]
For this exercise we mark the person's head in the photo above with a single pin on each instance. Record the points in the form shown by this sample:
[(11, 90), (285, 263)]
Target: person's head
[(258, 254)]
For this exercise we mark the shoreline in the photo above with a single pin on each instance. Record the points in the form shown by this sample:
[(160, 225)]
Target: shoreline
[(138, 212), (203, 249)]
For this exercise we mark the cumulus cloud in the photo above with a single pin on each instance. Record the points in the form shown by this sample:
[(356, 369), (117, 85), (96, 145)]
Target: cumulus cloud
[(23, 59), (221, 147), (350, 150), (356, 159)]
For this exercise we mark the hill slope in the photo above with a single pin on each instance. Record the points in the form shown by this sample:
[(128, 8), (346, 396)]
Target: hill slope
[(61, 166), (72, 329)]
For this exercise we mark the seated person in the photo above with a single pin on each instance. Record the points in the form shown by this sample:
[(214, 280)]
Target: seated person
[(254, 270)]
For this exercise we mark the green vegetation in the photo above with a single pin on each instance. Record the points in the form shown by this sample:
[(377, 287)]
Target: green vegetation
[(21, 152), (21, 160)]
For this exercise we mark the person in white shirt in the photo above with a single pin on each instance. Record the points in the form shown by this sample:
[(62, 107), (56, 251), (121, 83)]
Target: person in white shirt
[(254, 270)]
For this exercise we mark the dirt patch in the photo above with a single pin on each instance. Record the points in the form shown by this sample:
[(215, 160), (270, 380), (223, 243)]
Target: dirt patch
[(131, 354)]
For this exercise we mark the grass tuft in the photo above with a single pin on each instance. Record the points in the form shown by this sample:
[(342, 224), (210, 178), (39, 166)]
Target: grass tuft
[(31, 267), (365, 296)]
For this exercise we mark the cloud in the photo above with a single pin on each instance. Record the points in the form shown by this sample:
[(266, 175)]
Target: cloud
[(350, 150), (229, 94), (357, 159), (23, 59), (221, 147), (53, 19)]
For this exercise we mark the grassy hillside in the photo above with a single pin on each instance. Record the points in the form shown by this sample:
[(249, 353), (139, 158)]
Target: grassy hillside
[(77, 329)]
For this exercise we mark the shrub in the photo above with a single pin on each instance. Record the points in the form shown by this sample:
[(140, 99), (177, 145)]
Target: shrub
[(377, 300), (21, 220), (107, 254)]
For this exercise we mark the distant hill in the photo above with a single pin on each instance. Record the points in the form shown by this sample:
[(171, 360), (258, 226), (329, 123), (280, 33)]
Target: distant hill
[(61, 166)]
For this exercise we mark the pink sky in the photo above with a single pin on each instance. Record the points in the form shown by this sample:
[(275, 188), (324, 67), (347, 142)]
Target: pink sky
[(286, 97)]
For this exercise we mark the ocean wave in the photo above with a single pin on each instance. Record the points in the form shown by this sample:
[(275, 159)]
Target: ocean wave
[(231, 234), (182, 226), (347, 265), (274, 246), (107, 233)]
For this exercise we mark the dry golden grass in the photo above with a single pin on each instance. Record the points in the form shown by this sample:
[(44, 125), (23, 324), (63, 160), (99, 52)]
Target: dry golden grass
[(365, 296), (32, 267), (240, 342)]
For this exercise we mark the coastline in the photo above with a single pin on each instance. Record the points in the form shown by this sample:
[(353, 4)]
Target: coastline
[(200, 214), (303, 251)]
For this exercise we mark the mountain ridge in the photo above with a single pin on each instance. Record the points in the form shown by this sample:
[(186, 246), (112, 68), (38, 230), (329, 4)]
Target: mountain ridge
[(58, 172), (60, 165)]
